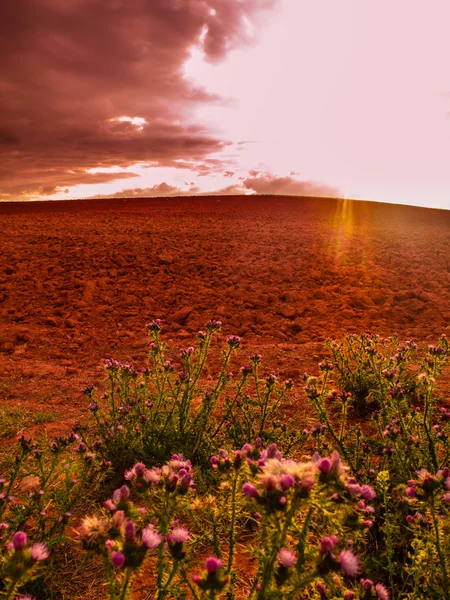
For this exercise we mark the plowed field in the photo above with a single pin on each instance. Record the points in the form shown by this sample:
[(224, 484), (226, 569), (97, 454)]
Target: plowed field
[(79, 280)]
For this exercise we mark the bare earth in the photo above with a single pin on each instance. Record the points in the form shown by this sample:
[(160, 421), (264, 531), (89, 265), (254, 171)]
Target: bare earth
[(79, 280)]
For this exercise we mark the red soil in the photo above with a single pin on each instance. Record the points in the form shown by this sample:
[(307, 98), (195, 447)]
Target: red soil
[(79, 280)]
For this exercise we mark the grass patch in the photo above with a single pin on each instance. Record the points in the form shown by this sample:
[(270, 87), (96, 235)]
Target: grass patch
[(13, 419)]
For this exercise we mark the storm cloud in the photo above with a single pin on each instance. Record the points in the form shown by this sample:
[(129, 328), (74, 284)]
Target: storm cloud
[(70, 69)]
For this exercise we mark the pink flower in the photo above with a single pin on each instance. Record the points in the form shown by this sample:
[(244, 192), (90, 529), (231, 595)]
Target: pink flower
[(178, 535), (250, 490), (382, 592), (213, 564), (349, 563), (287, 558), (39, 551), (150, 537), (327, 544)]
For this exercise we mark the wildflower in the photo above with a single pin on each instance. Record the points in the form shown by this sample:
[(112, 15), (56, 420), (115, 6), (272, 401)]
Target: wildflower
[(271, 380), (179, 535), (118, 559), (212, 565), (130, 531), (234, 341), (350, 563), (322, 589), (287, 558), (246, 370), (250, 490), (176, 539), (382, 591), (213, 325), (255, 358), (39, 551), (154, 325), (327, 544), (211, 579), (349, 595), (121, 494), (366, 584), (19, 540), (150, 537)]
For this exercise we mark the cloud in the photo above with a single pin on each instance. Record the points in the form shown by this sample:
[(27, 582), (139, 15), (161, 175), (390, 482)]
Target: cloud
[(266, 183), (263, 183), (157, 191), (71, 68)]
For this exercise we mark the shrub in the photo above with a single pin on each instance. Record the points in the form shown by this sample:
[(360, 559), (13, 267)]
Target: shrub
[(146, 414)]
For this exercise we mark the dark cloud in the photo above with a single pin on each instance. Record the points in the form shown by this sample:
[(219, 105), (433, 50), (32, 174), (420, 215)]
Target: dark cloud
[(265, 183), (68, 67)]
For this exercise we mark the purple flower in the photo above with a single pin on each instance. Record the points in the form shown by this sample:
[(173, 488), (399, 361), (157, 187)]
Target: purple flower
[(234, 341), (327, 544), (349, 595), (367, 492), (130, 531), (350, 563), (367, 584), (39, 551), (250, 490), (287, 558), (19, 540), (382, 592), (411, 492), (212, 565), (121, 494), (151, 538), (118, 559), (178, 535), (324, 465), (286, 481)]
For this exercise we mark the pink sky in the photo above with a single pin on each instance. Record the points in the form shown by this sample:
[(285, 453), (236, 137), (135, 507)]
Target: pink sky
[(124, 98)]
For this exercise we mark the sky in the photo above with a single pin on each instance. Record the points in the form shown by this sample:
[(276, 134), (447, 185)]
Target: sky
[(125, 98)]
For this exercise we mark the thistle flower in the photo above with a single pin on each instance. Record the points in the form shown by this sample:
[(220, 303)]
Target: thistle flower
[(287, 558), (350, 563), (327, 544), (130, 531), (118, 559), (234, 341), (212, 565), (19, 540), (382, 591), (250, 490), (151, 538), (366, 584), (39, 551), (179, 535), (121, 494)]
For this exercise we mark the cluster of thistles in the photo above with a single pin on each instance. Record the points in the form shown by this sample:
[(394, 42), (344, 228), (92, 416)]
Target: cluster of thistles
[(175, 476)]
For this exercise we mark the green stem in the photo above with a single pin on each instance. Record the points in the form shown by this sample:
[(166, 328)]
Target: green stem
[(231, 538), (439, 550), (126, 583)]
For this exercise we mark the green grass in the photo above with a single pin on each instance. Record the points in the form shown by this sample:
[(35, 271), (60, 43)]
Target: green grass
[(13, 419)]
